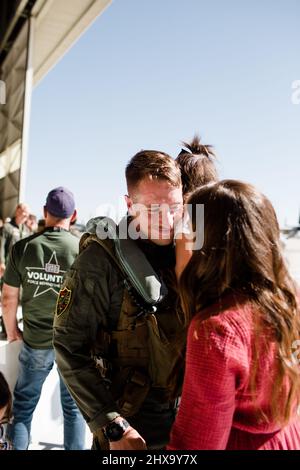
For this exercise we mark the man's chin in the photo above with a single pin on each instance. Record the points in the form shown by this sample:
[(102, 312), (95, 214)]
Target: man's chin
[(161, 241), (159, 238)]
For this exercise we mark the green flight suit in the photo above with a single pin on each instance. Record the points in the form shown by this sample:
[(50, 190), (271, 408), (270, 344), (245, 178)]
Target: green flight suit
[(91, 300)]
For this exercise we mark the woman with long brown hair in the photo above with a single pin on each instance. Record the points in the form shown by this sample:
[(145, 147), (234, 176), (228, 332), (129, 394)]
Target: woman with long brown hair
[(242, 382)]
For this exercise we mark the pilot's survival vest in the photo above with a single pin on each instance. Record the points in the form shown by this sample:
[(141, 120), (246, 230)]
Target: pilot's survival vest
[(146, 351)]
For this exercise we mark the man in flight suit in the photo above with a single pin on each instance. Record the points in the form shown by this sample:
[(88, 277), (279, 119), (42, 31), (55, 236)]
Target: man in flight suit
[(96, 302)]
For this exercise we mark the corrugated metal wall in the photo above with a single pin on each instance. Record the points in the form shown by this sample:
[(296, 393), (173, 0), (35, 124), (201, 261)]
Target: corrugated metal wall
[(11, 122)]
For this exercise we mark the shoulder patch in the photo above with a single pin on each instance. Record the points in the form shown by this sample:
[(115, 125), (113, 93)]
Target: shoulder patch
[(63, 301)]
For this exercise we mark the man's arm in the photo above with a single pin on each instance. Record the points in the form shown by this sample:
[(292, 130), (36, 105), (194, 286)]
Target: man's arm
[(10, 300), (10, 295)]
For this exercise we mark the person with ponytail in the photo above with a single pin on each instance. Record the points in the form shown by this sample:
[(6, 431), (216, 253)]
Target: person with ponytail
[(197, 165), (242, 379)]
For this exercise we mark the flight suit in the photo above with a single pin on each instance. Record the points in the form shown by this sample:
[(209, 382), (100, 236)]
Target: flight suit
[(88, 310)]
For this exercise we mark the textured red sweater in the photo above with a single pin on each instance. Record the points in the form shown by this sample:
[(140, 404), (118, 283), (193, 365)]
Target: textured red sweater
[(217, 410)]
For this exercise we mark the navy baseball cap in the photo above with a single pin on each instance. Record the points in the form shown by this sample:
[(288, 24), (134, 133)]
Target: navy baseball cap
[(60, 203)]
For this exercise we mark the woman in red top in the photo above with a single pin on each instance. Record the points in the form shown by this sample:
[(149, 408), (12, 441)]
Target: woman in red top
[(242, 383)]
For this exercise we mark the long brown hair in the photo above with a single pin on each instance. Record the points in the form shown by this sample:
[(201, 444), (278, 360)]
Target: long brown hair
[(242, 254), (197, 164)]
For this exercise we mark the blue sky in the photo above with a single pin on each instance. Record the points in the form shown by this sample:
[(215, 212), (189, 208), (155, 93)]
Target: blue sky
[(150, 73)]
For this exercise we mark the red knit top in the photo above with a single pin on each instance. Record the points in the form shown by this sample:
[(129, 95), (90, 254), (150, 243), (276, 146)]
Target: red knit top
[(217, 410)]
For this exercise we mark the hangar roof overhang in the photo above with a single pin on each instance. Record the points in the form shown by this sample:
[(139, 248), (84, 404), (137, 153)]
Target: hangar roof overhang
[(57, 26), (34, 36)]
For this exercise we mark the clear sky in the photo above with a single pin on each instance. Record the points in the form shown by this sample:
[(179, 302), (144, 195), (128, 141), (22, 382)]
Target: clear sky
[(150, 73)]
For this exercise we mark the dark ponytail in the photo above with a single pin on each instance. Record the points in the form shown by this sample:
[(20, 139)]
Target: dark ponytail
[(197, 148), (197, 164)]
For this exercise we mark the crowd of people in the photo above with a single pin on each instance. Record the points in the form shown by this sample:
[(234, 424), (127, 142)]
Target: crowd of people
[(172, 330)]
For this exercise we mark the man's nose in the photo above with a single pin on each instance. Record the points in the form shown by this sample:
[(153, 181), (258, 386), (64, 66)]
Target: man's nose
[(167, 219)]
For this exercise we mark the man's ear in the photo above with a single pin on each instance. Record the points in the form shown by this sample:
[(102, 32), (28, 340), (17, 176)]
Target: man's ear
[(129, 204), (74, 216), (45, 212)]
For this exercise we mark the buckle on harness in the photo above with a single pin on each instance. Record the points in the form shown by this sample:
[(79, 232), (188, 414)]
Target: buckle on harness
[(138, 379)]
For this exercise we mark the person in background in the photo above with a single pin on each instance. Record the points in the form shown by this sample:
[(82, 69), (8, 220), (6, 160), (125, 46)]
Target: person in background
[(74, 229), (242, 379), (5, 411), (12, 231), (41, 225), (197, 165), (31, 224), (38, 264)]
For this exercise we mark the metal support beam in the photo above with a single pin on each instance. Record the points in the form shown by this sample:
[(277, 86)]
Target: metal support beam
[(27, 109)]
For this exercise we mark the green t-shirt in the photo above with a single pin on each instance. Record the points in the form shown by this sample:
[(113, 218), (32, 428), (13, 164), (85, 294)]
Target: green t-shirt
[(38, 264)]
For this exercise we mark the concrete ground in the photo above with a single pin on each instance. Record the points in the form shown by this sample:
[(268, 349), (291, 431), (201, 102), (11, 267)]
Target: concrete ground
[(47, 424)]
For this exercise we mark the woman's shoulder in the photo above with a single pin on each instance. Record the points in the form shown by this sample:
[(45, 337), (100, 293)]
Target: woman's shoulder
[(224, 336), (229, 320)]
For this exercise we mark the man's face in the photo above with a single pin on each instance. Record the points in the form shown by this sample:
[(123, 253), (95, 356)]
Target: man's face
[(22, 213), (156, 206), (31, 223)]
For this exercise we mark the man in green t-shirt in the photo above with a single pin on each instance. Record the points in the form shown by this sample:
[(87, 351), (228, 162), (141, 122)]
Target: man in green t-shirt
[(38, 264)]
